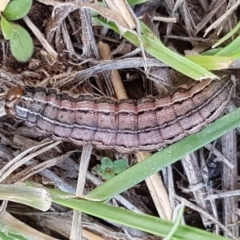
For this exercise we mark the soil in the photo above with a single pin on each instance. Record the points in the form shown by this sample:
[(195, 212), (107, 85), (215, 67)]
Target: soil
[(67, 34)]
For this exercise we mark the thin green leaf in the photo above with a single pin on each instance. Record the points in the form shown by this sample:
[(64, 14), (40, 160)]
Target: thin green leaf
[(128, 218), (17, 9), (227, 36), (165, 157), (135, 2), (176, 223), (231, 49), (15, 229), (155, 47), (212, 62), (9, 235), (211, 52), (21, 44)]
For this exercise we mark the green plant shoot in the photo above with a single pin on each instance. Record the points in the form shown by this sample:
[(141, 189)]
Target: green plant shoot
[(109, 169), (21, 44)]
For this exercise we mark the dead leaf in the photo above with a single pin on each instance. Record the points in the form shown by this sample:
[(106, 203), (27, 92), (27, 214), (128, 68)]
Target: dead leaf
[(105, 12)]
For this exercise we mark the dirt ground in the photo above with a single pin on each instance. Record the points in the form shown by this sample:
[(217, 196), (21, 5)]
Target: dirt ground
[(70, 60)]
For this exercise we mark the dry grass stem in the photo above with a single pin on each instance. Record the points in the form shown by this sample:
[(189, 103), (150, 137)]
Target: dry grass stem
[(76, 230), (67, 57)]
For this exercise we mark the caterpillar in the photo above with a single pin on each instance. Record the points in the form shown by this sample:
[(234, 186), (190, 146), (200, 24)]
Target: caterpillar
[(127, 125)]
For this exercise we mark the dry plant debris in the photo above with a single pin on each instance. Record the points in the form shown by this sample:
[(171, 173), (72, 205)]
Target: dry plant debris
[(72, 54)]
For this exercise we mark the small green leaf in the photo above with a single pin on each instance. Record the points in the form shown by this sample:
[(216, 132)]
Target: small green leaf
[(7, 28), (21, 44), (107, 175), (98, 169), (108, 169), (106, 163), (17, 9), (119, 166)]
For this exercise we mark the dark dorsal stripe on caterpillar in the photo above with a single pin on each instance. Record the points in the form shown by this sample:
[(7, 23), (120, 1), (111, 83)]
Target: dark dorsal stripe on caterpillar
[(126, 125)]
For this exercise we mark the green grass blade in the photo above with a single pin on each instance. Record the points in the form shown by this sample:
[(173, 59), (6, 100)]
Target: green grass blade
[(165, 157), (212, 62), (10, 235), (135, 2), (13, 229), (176, 223), (128, 218), (231, 49), (154, 46), (227, 36)]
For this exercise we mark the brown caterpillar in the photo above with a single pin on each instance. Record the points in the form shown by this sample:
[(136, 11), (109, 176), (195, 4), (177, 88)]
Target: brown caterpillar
[(127, 125)]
